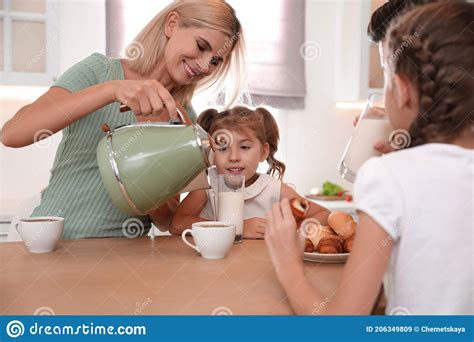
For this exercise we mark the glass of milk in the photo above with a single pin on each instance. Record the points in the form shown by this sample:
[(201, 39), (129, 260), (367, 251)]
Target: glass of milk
[(373, 126), (230, 202)]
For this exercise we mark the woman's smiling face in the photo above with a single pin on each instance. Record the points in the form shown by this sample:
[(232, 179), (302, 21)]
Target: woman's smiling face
[(192, 53), (242, 156)]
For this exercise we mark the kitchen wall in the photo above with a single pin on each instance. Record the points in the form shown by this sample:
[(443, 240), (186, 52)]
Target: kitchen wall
[(25, 171), (313, 139)]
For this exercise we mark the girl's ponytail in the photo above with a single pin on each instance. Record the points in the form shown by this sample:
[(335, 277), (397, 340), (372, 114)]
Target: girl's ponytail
[(272, 137), (206, 119)]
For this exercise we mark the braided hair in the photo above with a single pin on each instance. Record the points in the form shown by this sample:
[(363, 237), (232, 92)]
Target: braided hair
[(433, 46), (384, 15)]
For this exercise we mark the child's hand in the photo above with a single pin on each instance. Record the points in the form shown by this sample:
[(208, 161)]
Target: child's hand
[(284, 244), (381, 146), (254, 228), (161, 217)]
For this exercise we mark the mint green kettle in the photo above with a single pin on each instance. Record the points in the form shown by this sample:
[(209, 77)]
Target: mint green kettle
[(143, 165)]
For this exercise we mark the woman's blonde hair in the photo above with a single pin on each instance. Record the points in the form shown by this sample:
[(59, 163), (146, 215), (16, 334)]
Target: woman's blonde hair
[(210, 14)]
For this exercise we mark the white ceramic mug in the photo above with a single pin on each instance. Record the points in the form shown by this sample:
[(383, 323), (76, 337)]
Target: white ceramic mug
[(213, 239), (40, 234)]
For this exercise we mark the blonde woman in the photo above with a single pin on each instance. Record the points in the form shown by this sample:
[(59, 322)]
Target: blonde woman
[(189, 45)]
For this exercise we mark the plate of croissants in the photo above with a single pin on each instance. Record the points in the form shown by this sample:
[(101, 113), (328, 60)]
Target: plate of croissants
[(325, 244)]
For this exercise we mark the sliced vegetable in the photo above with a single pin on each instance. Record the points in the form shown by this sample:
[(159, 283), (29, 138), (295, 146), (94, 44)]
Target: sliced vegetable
[(331, 189)]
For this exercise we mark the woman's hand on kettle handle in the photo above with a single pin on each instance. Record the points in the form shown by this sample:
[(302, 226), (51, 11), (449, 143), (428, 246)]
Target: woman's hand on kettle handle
[(145, 97)]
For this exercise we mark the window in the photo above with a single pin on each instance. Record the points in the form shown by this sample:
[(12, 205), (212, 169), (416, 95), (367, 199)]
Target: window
[(274, 47), (375, 70), (372, 74), (276, 50), (28, 42)]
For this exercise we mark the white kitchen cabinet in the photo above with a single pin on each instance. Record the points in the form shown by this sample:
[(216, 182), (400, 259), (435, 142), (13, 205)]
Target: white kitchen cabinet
[(29, 48), (371, 71)]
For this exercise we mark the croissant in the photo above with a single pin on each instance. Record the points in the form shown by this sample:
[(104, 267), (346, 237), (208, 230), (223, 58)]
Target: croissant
[(331, 244), (348, 244), (320, 232), (312, 240), (308, 246), (333, 239), (326, 231), (342, 223)]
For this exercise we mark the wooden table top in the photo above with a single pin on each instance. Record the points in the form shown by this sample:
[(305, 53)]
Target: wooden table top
[(120, 276)]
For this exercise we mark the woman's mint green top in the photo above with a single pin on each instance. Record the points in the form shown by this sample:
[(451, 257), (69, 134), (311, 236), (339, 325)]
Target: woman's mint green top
[(75, 190)]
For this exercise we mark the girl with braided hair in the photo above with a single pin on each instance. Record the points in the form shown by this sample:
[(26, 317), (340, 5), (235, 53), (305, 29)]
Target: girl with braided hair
[(252, 137), (377, 31), (415, 205)]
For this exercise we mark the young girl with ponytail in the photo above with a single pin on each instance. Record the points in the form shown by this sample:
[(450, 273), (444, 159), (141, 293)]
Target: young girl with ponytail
[(245, 138)]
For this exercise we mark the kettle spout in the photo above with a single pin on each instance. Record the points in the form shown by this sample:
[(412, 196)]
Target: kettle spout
[(202, 179), (201, 182)]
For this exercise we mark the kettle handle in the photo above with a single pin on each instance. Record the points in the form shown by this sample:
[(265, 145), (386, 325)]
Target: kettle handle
[(182, 114)]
